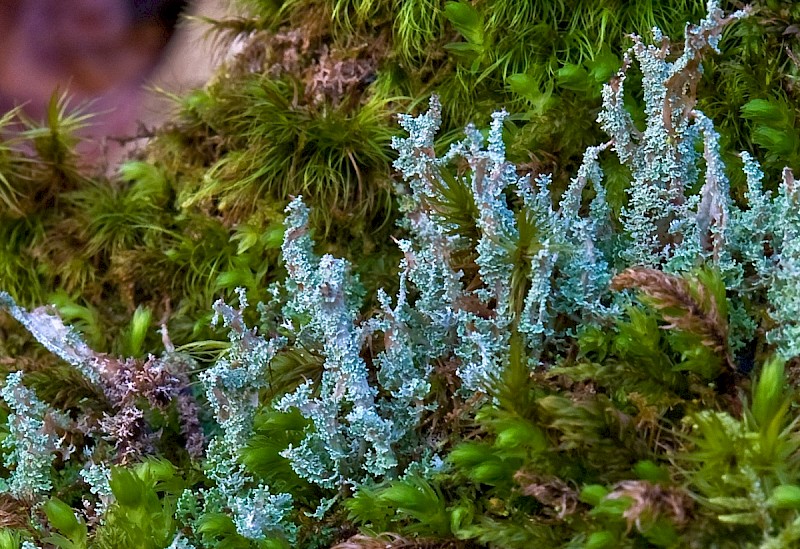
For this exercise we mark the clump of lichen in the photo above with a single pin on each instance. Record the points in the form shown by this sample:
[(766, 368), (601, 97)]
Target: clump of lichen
[(606, 359)]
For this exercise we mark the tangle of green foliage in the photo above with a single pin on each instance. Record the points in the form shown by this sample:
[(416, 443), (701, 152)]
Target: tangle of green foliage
[(602, 357)]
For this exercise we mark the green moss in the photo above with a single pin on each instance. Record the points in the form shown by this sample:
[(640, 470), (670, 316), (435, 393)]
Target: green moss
[(637, 436)]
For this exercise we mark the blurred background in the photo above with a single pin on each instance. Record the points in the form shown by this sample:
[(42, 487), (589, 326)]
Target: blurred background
[(106, 55)]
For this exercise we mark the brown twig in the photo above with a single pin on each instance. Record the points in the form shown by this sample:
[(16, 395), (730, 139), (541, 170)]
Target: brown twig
[(682, 307)]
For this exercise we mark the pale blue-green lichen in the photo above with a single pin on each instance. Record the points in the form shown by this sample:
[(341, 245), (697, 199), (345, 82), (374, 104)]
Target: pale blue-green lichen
[(98, 477), (363, 418), (345, 417), (662, 157), (31, 441), (784, 292), (61, 340), (180, 542), (232, 386)]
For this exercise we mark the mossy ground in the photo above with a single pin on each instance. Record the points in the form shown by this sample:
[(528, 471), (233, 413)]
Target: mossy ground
[(308, 107)]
